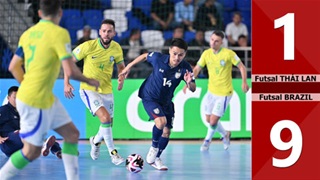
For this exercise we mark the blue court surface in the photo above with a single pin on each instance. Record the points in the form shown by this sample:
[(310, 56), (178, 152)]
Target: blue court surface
[(183, 158)]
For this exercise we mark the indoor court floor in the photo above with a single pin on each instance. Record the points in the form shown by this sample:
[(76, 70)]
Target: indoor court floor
[(183, 158)]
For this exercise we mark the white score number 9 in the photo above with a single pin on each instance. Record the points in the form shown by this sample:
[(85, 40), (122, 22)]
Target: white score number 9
[(295, 143), (287, 21)]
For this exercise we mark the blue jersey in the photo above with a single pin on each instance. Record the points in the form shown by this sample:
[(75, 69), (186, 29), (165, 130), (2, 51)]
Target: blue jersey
[(9, 120), (162, 82)]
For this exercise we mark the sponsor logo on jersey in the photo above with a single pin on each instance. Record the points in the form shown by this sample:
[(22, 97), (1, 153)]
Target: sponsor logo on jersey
[(96, 103), (156, 111), (222, 63), (161, 70), (178, 74), (77, 51), (111, 58)]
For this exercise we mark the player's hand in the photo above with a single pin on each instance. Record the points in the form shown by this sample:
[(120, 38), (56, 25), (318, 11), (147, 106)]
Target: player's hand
[(95, 83), (3, 139), (120, 82), (124, 73), (245, 87), (68, 91), (188, 76)]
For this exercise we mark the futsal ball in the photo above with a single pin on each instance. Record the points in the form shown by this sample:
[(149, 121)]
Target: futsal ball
[(134, 163)]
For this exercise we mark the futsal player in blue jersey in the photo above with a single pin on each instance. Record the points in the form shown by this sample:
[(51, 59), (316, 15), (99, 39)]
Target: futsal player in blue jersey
[(157, 91)]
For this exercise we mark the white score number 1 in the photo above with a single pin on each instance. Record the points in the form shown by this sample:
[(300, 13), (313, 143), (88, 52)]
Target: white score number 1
[(275, 135), (287, 21)]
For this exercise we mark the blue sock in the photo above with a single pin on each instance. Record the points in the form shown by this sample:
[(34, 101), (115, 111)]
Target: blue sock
[(163, 142), (156, 134)]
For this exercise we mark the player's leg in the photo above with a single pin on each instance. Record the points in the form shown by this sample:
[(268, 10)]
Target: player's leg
[(33, 128), (157, 132), (164, 139), (163, 142), (93, 102), (218, 111), (63, 125), (70, 135), (209, 104), (156, 113), (105, 114)]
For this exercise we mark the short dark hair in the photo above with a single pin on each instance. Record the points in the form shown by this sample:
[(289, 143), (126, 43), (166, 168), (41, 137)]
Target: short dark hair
[(242, 36), (134, 31), (50, 7), (180, 43), (219, 33), (109, 21), (12, 89)]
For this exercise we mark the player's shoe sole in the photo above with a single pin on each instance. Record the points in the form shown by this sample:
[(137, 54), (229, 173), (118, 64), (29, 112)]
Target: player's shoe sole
[(47, 145)]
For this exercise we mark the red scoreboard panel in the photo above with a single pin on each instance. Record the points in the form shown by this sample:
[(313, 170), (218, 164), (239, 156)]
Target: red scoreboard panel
[(285, 89)]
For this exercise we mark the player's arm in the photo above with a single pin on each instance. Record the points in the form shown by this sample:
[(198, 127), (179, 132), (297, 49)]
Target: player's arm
[(137, 60), (243, 71), (16, 68), (72, 71), (68, 88), (196, 70), (189, 79), (120, 67)]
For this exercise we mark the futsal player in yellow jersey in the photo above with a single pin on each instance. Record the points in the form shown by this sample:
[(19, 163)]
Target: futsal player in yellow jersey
[(219, 62), (99, 56), (41, 49)]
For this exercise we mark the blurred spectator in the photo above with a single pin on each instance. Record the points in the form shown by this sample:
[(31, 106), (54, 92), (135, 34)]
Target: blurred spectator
[(86, 35), (89, 4), (162, 12), (5, 58), (235, 29), (184, 14), (242, 42), (141, 70), (217, 4), (178, 32), (208, 17), (33, 10), (198, 41), (81, 4), (135, 43)]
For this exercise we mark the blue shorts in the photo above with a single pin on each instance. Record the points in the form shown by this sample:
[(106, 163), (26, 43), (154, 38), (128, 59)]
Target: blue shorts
[(155, 110), (12, 144)]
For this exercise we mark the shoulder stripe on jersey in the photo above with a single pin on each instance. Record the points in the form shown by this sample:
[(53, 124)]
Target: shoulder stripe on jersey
[(19, 52), (120, 61), (65, 57)]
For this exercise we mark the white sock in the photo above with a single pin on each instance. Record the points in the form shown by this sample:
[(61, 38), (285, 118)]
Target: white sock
[(108, 138), (220, 129), (210, 133), (8, 170), (71, 166), (98, 137)]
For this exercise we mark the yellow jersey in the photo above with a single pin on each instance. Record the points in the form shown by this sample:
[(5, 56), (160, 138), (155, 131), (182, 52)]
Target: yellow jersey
[(42, 47), (98, 63), (220, 70)]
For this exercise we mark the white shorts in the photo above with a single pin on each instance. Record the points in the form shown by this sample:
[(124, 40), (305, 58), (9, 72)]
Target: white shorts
[(35, 122), (94, 101), (216, 105)]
